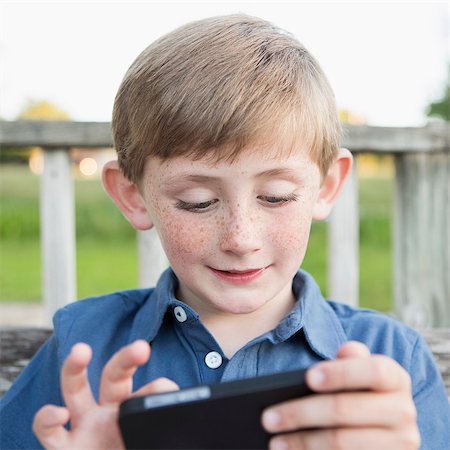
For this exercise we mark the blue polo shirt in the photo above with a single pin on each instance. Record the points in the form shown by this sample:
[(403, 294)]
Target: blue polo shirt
[(184, 351)]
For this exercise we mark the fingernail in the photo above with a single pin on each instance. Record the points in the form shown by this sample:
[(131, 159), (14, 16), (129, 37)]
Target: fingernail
[(316, 378), (278, 444), (271, 420)]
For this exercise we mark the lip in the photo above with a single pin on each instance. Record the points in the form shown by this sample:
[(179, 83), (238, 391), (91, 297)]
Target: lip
[(235, 276)]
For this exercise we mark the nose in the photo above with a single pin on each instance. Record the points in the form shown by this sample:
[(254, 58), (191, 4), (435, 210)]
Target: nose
[(241, 233)]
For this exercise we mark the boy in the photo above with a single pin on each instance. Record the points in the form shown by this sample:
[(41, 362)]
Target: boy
[(227, 139)]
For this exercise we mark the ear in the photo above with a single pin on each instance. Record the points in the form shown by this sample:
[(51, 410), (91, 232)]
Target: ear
[(126, 195), (332, 184)]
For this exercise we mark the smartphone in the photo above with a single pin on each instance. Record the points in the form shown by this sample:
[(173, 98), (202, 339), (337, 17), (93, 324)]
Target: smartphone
[(218, 416)]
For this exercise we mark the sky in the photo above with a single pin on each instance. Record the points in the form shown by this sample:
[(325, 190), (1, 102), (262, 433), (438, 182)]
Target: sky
[(386, 61)]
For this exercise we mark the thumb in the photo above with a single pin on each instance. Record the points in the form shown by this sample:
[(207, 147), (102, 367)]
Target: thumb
[(156, 387), (48, 425), (353, 349)]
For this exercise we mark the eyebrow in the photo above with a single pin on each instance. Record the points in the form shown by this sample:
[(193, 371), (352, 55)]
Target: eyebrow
[(185, 178), (284, 172)]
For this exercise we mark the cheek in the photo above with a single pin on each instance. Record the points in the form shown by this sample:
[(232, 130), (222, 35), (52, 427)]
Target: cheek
[(290, 232), (184, 238)]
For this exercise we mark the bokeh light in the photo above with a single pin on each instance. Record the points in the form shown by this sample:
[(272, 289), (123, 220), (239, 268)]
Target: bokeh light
[(36, 161), (88, 167)]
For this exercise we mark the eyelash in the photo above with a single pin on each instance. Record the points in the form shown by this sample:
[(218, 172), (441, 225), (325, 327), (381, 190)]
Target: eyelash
[(279, 200), (273, 201), (195, 207)]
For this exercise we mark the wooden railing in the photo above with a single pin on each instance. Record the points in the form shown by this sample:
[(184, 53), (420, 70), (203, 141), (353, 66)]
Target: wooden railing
[(421, 216)]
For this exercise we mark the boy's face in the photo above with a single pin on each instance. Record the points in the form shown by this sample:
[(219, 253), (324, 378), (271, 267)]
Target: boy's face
[(235, 233)]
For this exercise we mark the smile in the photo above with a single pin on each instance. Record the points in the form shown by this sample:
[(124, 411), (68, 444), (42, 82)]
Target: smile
[(238, 276)]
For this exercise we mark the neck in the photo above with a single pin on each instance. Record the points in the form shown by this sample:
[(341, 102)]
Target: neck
[(233, 331)]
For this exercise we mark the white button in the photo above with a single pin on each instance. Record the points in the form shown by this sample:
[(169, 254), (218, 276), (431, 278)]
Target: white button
[(213, 360), (180, 314)]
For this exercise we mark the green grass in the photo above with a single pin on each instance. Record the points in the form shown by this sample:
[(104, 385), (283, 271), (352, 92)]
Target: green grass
[(375, 265), (375, 262), (106, 243), (375, 256), (20, 274), (105, 267), (101, 267), (96, 216), (315, 260)]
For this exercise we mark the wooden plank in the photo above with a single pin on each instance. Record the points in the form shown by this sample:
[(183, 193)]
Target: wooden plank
[(55, 134), (17, 347), (152, 259), (438, 339), (57, 214), (435, 137), (343, 244), (422, 239)]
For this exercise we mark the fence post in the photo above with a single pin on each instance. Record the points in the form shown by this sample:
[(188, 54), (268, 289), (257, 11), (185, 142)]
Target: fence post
[(152, 259), (422, 239), (57, 217), (343, 244)]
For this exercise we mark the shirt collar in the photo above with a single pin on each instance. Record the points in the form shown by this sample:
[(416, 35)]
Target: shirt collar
[(321, 326), (150, 316)]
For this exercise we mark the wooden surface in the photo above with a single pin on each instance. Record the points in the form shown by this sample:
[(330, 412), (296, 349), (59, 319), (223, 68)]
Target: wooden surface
[(58, 244), (152, 258), (343, 245), (55, 134), (435, 137), (438, 340), (18, 345), (421, 239)]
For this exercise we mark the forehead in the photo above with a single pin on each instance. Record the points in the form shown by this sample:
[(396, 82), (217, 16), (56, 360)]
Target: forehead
[(270, 161)]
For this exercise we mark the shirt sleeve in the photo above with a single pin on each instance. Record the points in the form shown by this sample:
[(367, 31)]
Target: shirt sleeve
[(36, 386), (430, 398)]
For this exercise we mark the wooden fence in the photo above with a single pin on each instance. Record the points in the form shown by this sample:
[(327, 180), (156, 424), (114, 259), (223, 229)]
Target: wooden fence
[(421, 216)]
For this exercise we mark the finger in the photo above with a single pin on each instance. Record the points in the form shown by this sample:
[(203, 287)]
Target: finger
[(158, 386), (48, 425), (348, 439), (377, 373), (117, 376), (74, 381), (348, 409), (353, 349)]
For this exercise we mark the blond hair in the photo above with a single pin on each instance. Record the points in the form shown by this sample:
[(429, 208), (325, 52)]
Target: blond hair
[(216, 86)]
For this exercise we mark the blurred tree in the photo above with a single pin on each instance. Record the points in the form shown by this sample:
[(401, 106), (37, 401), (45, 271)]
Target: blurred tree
[(42, 110), (33, 110), (347, 116), (441, 108)]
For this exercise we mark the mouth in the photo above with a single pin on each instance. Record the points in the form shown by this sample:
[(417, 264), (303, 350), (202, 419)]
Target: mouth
[(236, 276)]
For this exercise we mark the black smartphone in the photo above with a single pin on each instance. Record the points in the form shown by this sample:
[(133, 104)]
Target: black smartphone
[(217, 416)]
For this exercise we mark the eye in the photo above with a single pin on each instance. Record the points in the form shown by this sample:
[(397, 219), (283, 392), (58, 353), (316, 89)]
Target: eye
[(195, 207), (278, 200)]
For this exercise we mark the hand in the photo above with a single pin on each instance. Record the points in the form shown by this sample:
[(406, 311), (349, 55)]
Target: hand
[(365, 403), (94, 425)]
